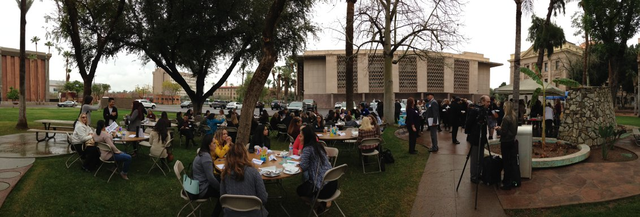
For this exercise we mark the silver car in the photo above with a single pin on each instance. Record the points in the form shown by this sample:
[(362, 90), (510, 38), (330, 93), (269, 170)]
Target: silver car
[(295, 106), (234, 105)]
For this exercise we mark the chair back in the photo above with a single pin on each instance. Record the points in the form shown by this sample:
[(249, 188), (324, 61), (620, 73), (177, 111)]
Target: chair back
[(332, 153), (371, 141), (324, 144), (177, 169), (248, 145), (291, 139), (240, 203), (282, 127), (232, 129), (103, 146), (334, 173)]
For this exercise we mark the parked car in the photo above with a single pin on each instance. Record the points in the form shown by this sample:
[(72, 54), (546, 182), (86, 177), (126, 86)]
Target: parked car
[(186, 104), (310, 105), (344, 105), (276, 104), (67, 103), (147, 103), (234, 105), (296, 106), (219, 104), (338, 105), (207, 102)]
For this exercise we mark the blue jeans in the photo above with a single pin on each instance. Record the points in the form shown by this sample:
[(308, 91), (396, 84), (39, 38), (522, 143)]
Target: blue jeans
[(125, 158)]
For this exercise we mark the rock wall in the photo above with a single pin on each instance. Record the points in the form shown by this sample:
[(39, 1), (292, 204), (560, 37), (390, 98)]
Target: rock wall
[(585, 110)]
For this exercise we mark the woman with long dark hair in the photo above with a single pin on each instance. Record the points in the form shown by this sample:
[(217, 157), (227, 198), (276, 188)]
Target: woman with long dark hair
[(315, 163), (239, 177), (294, 127), (103, 136), (159, 136), (202, 170), (260, 138), (413, 120), (136, 116)]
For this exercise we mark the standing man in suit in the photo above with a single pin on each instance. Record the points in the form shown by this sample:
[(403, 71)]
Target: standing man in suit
[(454, 119), (110, 113), (433, 113), (397, 111)]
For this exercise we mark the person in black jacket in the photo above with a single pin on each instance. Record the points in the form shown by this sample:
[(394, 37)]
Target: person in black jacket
[(454, 119), (110, 113), (396, 116), (509, 130), (380, 109), (476, 130), (412, 121)]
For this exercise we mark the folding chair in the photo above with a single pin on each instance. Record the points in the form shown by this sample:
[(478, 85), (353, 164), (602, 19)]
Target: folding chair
[(74, 156), (375, 152), (282, 131), (331, 175), (105, 147), (241, 203), (158, 159), (291, 139), (177, 169), (332, 153)]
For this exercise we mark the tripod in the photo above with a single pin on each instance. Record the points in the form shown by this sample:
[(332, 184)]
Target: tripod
[(482, 142)]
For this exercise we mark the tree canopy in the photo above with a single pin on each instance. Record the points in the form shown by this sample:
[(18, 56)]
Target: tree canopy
[(203, 36), (554, 36)]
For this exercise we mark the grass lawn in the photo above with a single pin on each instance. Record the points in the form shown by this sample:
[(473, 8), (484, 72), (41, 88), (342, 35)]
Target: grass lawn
[(628, 120), (50, 189)]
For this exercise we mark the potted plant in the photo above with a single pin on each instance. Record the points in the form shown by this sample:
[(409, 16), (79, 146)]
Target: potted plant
[(13, 95)]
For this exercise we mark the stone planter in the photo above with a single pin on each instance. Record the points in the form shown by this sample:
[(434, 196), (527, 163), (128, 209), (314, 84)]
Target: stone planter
[(550, 162)]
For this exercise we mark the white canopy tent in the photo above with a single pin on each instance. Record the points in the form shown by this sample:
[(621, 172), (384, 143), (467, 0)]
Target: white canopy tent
[(528, 86)]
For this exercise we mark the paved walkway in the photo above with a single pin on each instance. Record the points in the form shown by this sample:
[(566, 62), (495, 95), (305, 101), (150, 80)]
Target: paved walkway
[(573, 184), (17, 154)]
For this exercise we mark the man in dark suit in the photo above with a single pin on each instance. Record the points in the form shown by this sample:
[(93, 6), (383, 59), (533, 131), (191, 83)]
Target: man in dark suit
[(433, 115), (397, 111), (454, 119), (380, 109), (110, 113)]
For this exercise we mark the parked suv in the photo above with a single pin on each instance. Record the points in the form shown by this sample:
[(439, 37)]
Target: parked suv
[(310, 105), (147, 103), (276, 104), (219, 104)]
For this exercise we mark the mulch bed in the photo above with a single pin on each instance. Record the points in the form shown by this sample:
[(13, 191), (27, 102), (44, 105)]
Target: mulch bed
[(618, 154)]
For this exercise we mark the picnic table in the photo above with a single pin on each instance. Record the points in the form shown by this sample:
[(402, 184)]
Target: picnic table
[(57, 127)]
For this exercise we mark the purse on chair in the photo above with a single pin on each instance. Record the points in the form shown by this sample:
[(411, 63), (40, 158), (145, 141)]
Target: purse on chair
[(190, 185)]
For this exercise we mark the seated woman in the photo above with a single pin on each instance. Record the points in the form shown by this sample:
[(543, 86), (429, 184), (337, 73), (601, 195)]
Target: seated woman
[(222, 142), (213, 123), (318, 125), (315, 163), (298, 144), (260, 138), (264, 117), (367, 130), (233, 121), (241, 178), (117, 155), (158, 138), (294, 127), (150, 115), (186, 129), (304, 116), (202, 170), (83, 137), (189, 113), (275, 120), (349, 122)]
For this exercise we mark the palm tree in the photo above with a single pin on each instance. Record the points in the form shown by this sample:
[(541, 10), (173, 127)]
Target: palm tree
[(49, 44), (555, 6), (24, 6), (35, 40), (527, 6), (66, 56)]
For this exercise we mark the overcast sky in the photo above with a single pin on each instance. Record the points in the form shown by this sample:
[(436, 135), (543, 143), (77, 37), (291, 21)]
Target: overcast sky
[(490, 28)]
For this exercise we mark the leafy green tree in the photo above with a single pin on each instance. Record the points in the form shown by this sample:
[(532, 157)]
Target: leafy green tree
[(24, 6), (545, 37), (142, 91), (242, 89), (545, 28), (90, 27), (612, 24), (202, 36), (170, 88)]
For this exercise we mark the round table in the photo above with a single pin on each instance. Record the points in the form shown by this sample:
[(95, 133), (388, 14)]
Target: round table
[(277, 164), (347, 135)]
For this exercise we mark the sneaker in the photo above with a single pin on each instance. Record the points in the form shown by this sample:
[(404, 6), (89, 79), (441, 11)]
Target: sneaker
[(433, 150), (124, 176)]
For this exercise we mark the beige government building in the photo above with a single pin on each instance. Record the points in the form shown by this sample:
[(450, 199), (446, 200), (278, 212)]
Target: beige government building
[(553, 67), (322, 76)]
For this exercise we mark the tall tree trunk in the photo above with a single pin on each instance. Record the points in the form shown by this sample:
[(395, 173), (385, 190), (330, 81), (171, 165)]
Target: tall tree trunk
[(22, 116), (349, 53), (544, 35), (585, 73), (516, 56), (268, 59), (389, 96)]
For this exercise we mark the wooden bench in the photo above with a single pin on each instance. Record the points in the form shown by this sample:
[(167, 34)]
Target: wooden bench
[(46, 132), (636, 136), (61, 127)]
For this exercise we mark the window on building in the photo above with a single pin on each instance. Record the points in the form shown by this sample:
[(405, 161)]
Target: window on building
[(557, 64), (546, 67)]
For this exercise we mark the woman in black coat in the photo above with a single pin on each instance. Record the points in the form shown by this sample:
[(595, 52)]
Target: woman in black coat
[(413, 119)]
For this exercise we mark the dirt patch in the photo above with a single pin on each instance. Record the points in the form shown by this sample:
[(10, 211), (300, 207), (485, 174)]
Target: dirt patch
[(616, 155), (550, 149)]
